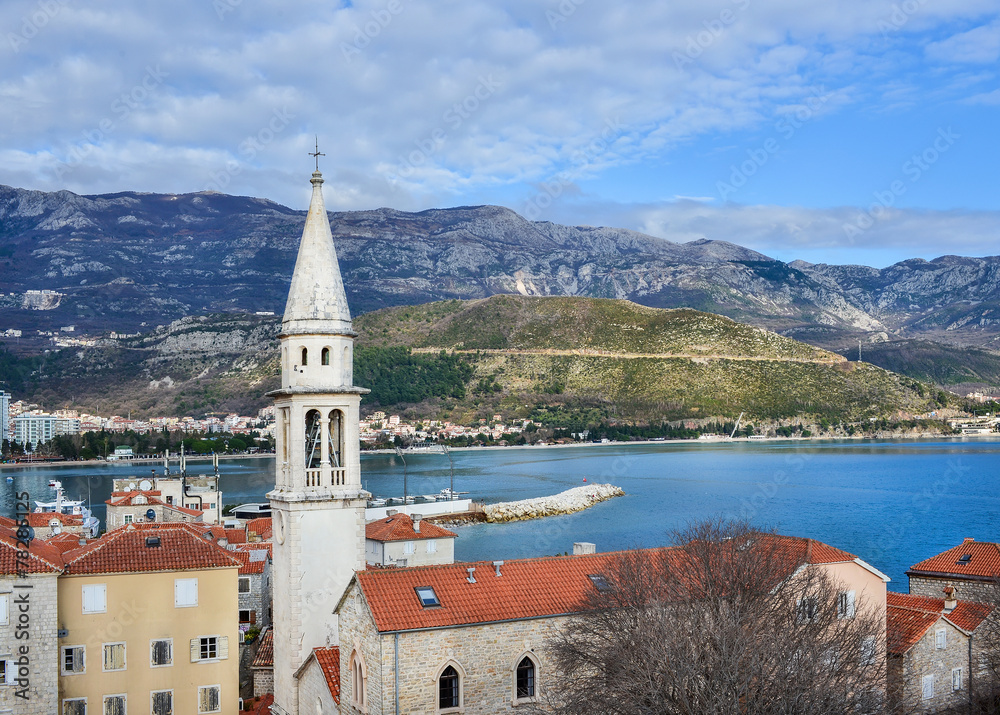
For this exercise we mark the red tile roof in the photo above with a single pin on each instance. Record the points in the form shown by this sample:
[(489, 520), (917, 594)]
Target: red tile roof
[(38, 519), (128, 499), (8, 522), (260, 526), (399, 527), (124, 550), (526, 588), (64, 541), (262, 705), (329, 662), (983, 564), (41, 558), (254, 546), (252, 561), (265, 651), (908, 618)]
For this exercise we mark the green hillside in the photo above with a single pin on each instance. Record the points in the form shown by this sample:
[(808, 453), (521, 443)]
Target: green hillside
[(574, 360), (934, 362)]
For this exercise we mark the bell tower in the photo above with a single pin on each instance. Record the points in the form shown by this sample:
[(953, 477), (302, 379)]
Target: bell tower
[(317, 504)]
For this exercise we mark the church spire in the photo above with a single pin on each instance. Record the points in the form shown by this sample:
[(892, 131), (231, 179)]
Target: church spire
[(317, 302)]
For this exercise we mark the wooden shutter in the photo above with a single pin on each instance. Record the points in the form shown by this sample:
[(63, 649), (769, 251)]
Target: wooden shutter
[(195, 650), (927, 686), (223, 647), (253, 617)]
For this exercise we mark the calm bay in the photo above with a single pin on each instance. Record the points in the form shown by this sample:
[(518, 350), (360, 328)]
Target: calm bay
[(892, 503)]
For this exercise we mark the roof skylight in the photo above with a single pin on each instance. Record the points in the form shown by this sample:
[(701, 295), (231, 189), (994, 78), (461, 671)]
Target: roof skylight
[(428, 599), (600, 582)]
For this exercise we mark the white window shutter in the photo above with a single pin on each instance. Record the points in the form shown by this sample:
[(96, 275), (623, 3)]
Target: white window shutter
[(850, 604), (195, 650), (942, 638), (927, 686), (223, 647), (4, 609)]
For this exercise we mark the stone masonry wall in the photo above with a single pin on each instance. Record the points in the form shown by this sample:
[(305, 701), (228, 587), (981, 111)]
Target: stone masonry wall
[(42, 658), (314, 694), (486, 655), (965, 590), (926, 659)]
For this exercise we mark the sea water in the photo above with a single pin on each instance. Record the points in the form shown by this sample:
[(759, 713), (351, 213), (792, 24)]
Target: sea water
[(891, 503)]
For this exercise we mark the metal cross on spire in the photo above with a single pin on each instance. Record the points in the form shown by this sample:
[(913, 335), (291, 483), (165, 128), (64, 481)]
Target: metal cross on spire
[(317, 154)]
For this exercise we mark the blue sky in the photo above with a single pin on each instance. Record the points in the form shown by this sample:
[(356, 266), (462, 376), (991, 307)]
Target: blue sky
[(842, 131)]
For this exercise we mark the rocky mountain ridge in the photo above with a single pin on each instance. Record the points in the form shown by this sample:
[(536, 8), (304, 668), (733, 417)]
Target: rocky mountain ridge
[(130, 261)]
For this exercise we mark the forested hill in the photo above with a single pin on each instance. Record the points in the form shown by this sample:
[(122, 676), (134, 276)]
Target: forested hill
[(462, 360)]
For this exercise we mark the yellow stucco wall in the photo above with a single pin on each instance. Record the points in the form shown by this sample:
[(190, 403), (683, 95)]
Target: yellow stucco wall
[(140, 608)]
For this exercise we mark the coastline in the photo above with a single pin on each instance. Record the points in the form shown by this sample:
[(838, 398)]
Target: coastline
[(702, 442)]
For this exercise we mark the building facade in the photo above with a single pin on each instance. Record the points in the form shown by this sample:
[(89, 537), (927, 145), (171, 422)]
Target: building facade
[(5, 424), (401, 540), (933, 651), (973, 567), (149, 619)]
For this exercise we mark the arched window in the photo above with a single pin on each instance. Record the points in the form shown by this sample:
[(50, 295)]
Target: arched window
[(449, 689), (325, 356), (305, 357), (359, 698), (336, 438), (314, 437), (524, 679)]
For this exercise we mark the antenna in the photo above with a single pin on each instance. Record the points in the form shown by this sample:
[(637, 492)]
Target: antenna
[(317, 154)]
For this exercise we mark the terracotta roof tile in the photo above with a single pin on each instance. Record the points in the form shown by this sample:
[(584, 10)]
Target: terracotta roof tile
[(236, 536), (42, 557), (252, 561), (909, 617), (254, 546), (128, 499), (262, 705), (64, 541), (526, 588), (265, 651), (7, 522), (329, 662), (39, 519), (984, 561), (260, 526), (124, 550), (399, 527)]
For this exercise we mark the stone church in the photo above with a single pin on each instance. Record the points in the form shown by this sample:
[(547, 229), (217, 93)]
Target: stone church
[(455, 638)]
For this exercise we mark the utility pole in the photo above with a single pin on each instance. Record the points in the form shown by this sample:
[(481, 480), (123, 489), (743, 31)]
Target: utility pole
[(859, 351)]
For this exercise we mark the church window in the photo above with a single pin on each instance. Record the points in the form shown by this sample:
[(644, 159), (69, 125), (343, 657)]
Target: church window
[(325, 356), (449, 693), (305, 357), (428, 599), (524, 679), (358, 683)]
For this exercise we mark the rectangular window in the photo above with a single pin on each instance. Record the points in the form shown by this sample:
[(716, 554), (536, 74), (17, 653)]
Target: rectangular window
[(161, 653), (956, 679), (95, 598), (845, 604), (248, 616), (807, 609), (208, 699), (869, 646), (4, 609), (114, 656), (432, 546), (408, 547), (3, 672), (74, 660), (161, 702), (209, 648), (927, 687), (427, 596), (114, 705), (185, 592), (941, 638), (244, 584), (75, 706), (128, 518)]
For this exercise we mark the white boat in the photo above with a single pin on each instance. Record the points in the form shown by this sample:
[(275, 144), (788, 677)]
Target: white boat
[(448, 494), (376, 503), (74, 507)]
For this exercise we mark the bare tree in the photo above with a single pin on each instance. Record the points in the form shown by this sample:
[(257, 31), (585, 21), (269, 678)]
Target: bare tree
[(730, 620), (985, 671)]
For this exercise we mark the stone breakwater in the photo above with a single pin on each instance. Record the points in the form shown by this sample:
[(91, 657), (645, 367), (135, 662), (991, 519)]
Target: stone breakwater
[(567, 502)]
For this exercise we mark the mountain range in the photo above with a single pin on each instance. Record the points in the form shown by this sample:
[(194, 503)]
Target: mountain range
[(128, 262)]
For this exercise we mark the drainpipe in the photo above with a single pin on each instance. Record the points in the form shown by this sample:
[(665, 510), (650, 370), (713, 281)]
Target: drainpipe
[(395, 673)]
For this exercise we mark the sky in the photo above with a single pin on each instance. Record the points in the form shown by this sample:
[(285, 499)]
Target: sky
[(840, 131)]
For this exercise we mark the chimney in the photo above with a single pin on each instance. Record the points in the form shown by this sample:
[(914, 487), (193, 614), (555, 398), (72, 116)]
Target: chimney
[(472, 572), (967, 539), (391, 512), (416, 522), (950, 600), (497, 565), (584, 547)]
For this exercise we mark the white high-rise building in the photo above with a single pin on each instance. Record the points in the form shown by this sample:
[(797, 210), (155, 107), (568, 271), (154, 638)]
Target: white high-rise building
[(317, 505), (5, 432)]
